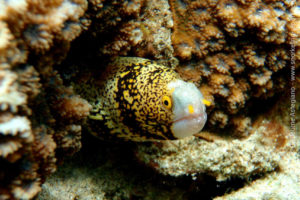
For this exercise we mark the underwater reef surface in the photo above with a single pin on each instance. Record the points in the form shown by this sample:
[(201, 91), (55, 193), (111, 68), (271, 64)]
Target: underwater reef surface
[(263, 166), (239, 53)]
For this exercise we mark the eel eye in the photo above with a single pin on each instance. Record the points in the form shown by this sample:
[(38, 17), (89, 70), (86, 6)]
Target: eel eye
[(166, 100)]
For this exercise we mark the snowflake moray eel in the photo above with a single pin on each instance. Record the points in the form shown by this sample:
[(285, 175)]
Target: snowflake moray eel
[(140, 100)]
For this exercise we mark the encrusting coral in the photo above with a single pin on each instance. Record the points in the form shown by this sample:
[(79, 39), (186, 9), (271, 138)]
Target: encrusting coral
[(138, 27), (32, 136), (240, 49)]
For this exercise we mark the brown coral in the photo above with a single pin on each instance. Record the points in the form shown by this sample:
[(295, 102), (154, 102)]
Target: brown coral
[(221, 83), (73, 107), (13, 139), (260, 77), (195, 32), (218, 63), (16, 138), (219, 118), (66, 111), (139, 27), (69, 139), (241, 126), (275, 133), (28, 138), (10, 97), (236, 100), (254, 49)]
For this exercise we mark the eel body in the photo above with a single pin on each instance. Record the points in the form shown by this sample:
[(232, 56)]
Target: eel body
[(140, 100)]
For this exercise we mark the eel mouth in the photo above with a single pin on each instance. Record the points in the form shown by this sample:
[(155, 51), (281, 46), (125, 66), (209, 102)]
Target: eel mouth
[(188, 125), (189, 117)]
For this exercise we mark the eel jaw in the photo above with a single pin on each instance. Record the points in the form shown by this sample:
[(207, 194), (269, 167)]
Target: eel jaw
[(188, 125)]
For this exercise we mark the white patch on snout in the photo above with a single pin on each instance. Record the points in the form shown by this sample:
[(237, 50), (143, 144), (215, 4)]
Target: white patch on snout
[(184, 95)]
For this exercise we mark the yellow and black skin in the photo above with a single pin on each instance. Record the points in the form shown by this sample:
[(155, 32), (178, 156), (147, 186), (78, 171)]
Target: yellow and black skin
[(130, 100)]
